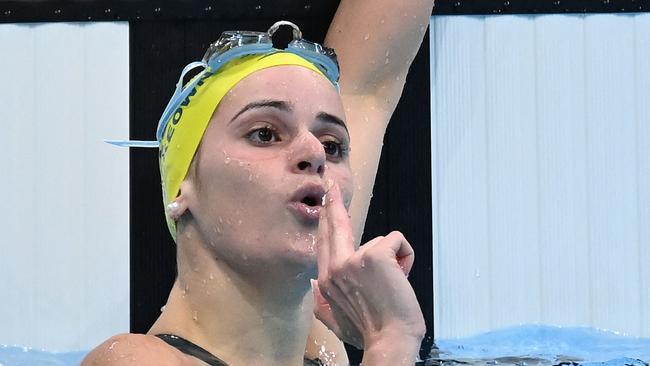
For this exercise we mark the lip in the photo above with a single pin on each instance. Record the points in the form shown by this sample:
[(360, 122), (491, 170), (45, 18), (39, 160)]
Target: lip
[(305, 212), (309, 214)]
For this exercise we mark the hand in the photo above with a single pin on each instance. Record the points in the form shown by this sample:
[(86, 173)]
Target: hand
[(363, 296)]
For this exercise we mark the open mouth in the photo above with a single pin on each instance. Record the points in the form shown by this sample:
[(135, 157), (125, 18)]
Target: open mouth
[(311, 201), (307, 202)]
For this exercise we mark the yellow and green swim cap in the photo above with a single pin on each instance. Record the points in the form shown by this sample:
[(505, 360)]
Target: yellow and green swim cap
[(188, 122)]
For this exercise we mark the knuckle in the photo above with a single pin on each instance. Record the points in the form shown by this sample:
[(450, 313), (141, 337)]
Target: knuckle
[(371, 256), (397, 235), (336, 271)]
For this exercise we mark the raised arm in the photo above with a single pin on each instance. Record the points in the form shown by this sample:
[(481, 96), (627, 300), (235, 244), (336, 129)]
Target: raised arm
[(376, 41)]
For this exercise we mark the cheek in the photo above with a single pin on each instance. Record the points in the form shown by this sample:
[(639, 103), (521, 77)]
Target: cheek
[(236, 182), (343, 176)]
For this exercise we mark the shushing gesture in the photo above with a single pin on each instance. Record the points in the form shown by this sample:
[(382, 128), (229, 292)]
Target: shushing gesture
[(363, 296)]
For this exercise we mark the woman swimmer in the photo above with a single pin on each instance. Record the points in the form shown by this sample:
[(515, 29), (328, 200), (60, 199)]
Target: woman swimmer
[(258, 197)]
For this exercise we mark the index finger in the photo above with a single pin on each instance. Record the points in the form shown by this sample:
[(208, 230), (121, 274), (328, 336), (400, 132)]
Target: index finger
[(340, 241)]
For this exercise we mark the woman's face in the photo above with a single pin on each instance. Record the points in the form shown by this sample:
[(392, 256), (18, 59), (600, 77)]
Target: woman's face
[(271, 150)]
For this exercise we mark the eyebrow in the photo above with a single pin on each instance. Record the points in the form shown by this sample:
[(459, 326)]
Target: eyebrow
[(278, 104), (287, 107), (330, 118)]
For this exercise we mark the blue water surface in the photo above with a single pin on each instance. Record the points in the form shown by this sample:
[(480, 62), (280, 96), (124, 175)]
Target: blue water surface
[(528, 345), (24, 356), (547, 345)]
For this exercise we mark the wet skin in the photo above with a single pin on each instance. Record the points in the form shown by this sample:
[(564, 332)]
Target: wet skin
[(276, 136)]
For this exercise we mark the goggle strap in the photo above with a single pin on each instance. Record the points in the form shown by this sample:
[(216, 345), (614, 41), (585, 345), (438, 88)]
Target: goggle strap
[(178, 93), (186, 69), (133, 143)]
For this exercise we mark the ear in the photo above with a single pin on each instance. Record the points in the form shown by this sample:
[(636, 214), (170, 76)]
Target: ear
[(183, 202)]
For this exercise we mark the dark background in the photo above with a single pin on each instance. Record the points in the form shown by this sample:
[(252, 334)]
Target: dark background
[(135, 10), (166, 35)]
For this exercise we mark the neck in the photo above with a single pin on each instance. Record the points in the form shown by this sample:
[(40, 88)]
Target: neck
[(242, 318)]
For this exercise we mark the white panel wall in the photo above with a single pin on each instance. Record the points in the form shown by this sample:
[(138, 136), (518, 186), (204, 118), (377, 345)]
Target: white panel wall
[(64, 259), (541, 171)]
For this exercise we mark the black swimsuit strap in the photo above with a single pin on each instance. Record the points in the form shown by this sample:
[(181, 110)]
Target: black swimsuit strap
[(191, 349)]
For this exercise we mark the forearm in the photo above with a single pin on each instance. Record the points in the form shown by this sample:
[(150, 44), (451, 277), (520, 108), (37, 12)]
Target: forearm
[(324, 345), (392, 351), (377, 41)]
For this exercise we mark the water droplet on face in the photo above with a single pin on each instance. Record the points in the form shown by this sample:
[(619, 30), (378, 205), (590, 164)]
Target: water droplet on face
[(329, 184), (366, 37), (195, 316), (312, 245), (226, 160), (211, 276), (162, 309)]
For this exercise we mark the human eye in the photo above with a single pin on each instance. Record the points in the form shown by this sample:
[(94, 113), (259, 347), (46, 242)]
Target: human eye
[(264, 135), (334, 149)]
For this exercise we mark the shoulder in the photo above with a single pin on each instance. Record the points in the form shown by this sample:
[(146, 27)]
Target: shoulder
[(135, 349)]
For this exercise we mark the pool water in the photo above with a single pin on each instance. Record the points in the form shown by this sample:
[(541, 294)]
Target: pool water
[(24, 356), (544, 345), (518, 346)]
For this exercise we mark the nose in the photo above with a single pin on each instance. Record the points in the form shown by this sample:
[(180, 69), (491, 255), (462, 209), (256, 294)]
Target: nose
[(308, 156)]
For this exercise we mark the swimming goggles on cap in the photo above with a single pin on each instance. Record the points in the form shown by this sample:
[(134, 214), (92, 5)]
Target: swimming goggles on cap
[(232, 45)]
